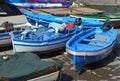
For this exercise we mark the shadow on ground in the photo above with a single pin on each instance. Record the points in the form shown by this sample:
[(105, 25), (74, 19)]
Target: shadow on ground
[(6, 48)]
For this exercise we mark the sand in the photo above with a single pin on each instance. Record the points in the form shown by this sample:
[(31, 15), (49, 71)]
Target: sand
[(13, 19)]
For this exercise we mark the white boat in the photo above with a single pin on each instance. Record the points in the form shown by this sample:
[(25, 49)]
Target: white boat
[(48, 77), (43, 39)]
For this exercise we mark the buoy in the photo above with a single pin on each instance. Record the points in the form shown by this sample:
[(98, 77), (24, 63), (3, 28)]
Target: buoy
[(5, 57)]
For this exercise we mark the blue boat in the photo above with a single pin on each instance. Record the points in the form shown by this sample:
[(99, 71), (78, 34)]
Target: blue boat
[(91, 45), (34, 4), (45, 19), (44, 39)]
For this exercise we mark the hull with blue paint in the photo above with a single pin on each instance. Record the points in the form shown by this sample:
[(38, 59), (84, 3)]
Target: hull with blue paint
[(44, 19), (43, 41), (34, 4), (90, 46), (113, 17)]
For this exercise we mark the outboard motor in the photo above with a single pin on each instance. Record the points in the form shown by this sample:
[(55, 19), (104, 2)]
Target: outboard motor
[(78, 21), (106, 26)]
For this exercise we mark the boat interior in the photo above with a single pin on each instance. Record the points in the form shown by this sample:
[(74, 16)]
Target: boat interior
[(44, 33), (93, 42)]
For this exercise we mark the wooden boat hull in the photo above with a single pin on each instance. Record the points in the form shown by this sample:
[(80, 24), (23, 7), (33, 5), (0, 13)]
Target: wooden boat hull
[(45, 19), (23, 46), (49, 77), (81, 59), (114, 18), (37, 6), (5, 41), (83, 53), (40, 4), (5, 38), (44, 39), (115, 22)]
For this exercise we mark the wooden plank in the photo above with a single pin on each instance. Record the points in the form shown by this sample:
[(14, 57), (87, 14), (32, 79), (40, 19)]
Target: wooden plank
[(68, 11)]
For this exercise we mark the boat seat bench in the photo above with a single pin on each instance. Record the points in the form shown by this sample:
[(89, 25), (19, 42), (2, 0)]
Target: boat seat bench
[(97, 41), (86, 47)]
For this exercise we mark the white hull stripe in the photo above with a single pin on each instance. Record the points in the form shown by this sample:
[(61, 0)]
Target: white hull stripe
[(4, 38), (90, 53)]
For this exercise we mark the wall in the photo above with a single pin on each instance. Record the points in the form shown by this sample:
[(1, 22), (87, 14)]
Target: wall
[(101, 2)]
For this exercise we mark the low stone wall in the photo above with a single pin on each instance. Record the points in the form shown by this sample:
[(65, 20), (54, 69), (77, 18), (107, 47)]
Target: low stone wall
[(101, 2)]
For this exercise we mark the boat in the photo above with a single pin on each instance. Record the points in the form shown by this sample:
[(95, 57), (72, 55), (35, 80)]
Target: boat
[(28, 67), (6, 27), (2, 12), (45, 19), (91, 46), (44, 39), (112, 17), (36, 4)]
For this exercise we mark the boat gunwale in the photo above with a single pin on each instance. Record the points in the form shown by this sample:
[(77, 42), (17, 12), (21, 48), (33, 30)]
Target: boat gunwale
[(105, 47), (40, 41)]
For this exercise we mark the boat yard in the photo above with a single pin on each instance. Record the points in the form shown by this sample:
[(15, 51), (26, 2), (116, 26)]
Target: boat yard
[(105, 70), (101, 2)]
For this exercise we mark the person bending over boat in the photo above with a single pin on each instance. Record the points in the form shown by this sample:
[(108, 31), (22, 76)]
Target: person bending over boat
[(66, 28), (8, 26)]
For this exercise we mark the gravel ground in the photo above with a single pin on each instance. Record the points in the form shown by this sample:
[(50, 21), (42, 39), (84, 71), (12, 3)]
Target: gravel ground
[(107, 69)]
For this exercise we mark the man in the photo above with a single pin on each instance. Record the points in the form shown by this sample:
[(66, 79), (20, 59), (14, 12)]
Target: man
[(8, 26)]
